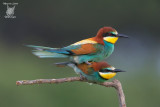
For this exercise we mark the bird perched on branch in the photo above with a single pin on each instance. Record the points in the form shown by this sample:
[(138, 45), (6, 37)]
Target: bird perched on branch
[(95, 72), (92, 49)]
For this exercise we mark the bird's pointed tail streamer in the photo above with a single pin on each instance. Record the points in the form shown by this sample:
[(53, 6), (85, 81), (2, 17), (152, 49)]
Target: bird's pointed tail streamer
[(44, 52)]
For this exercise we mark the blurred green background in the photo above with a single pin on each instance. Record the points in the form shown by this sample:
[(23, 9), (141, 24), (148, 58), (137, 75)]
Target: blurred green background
[(58, 23)]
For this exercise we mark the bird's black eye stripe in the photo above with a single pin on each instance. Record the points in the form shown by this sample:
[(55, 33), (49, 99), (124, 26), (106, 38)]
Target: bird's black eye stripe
[(101, 70), (113, 34), (105, 70), (108, 34)]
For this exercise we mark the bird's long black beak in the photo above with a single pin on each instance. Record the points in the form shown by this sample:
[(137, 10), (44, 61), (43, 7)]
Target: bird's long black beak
[(122, 35), (118, 70)]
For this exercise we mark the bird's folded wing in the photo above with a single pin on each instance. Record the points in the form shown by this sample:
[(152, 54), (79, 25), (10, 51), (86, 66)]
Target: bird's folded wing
[(87, 46), (77, 49), (86, 49)]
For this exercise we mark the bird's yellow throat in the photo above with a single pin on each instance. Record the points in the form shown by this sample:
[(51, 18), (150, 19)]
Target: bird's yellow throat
[(107, 75), (112, 40)]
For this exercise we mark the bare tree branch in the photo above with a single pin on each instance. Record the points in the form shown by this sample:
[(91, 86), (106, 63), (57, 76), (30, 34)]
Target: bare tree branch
[(115, 83)]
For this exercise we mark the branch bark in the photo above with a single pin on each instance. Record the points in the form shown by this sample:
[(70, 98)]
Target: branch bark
[(115, 83)]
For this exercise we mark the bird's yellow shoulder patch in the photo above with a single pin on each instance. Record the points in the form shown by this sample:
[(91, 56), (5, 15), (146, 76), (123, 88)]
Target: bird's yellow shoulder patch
[(107, 75), (85, 41)]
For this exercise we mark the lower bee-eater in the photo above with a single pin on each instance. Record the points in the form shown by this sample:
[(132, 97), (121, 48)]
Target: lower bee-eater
[(93, 49), (95, 72)]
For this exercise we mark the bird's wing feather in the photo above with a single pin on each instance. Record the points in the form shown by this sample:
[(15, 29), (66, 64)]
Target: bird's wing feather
[(77, 49), (39, 47), (85, 49), (85, 68), (85, 41), (86, 46)]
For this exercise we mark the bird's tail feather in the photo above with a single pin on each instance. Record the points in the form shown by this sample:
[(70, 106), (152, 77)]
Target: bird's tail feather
[(39, 47), (45, 52), (62, 64)]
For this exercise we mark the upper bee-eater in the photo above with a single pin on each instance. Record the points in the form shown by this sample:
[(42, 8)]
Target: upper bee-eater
[(95, 72), (92, 49)]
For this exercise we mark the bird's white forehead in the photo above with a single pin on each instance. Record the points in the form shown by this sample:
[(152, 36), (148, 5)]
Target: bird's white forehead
[(112, 68), (115, 32)]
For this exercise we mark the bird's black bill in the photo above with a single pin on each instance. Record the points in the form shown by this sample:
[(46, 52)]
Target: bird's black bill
[(122, 35), (118, 70)]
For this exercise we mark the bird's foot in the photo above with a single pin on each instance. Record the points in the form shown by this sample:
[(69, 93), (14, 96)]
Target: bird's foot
[(82, 77)]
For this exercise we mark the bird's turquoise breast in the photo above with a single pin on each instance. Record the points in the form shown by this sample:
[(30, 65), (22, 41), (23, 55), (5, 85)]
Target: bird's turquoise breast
[(108, 49), (104, 52)]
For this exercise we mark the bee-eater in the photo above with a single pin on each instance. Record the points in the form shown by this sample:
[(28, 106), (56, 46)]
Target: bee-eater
[(95, 72), (92, 49)]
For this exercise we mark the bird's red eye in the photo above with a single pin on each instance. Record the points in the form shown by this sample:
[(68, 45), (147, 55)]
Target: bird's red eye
[(109, 34)]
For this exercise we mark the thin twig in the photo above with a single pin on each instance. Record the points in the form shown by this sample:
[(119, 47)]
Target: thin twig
[(115, 83)]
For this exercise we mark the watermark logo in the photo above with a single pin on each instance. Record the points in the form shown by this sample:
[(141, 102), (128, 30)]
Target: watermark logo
[(10, 10)]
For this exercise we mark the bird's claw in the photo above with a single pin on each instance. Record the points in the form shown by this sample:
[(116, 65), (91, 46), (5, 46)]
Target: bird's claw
[(82, 77)]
